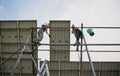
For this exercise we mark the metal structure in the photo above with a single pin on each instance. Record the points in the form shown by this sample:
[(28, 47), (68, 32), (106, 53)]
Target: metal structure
[(44, 67), (26, 47), (44, 70), (13, 33), (60, 35)]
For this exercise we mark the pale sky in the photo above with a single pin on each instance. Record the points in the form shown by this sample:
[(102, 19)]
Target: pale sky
[(89, 12)]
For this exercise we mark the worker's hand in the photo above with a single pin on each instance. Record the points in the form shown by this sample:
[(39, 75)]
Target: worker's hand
[(48, 25), (72, 31)]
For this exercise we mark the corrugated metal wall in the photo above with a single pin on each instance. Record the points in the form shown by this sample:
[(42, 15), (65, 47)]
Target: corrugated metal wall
[(13, 34), (102, 68), (66, 68), (63, 68)]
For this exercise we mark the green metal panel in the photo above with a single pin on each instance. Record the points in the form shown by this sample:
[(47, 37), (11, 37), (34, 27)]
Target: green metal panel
[(27, 23), (9, 24), (9, 47), (9, 35), (17, 74), (63, 68), (69, 73), (60, 33), (110, 68), (8, 32), (13, 34), (24, 34), (63, 65), (23, 67), (0, 38)]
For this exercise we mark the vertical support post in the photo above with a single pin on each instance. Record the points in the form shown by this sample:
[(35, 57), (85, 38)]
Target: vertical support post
[(18, 42), (91, 64), (81, 65), (59, 67), (39, 72), (119, 71), (60, 33), (32, 50), (47, 69), (99, 68), (1, 58)]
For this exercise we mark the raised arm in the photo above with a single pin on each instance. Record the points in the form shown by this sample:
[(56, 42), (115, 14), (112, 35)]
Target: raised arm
[(47, 26)]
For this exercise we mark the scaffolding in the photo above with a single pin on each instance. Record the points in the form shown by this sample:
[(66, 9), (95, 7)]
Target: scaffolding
[(65, 68)]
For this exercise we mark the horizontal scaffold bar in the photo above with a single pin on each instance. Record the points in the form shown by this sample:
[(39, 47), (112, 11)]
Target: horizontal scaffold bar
[(66, 27), (65, 44), (84, 27), (62, 50), (83, 50)]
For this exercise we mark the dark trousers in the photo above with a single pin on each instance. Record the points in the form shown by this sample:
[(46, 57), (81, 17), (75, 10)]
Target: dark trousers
[(78, 34)]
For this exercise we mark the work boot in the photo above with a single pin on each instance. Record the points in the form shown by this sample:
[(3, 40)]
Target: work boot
[(74, 44), (77, 43)]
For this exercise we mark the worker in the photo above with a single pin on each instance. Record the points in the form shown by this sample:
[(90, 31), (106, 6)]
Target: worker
[(77, 33), (44, 28)]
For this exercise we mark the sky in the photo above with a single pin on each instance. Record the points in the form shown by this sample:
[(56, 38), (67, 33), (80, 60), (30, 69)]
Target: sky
[(96, 13)]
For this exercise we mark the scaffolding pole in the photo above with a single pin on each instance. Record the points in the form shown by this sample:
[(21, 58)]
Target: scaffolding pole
[(81, 56), (64, 44), (90, 61), (82, 27)]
